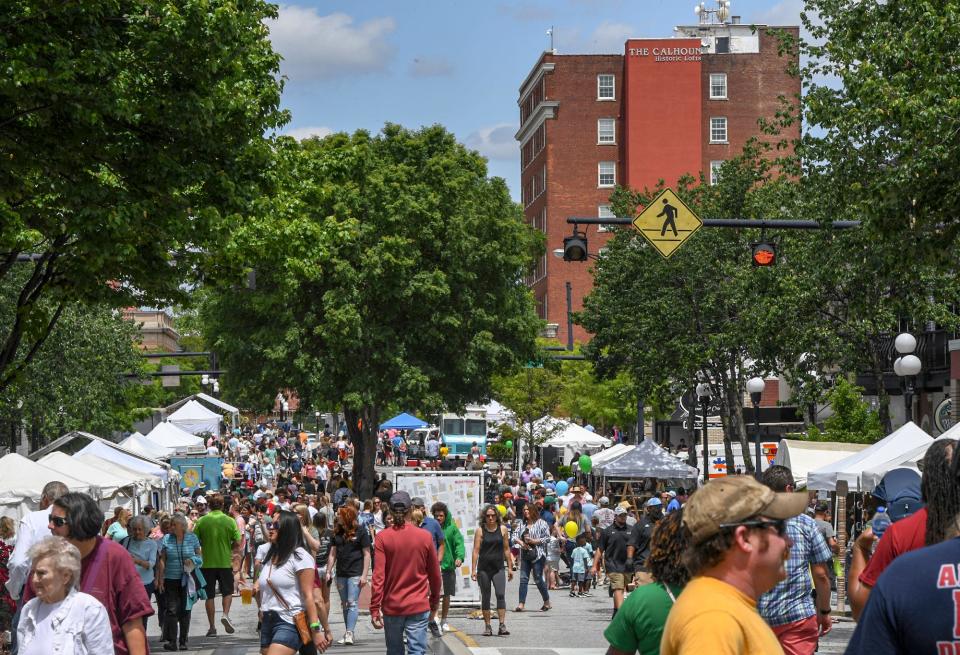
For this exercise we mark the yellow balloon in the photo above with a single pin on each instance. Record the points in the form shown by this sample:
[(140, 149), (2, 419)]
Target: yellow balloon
[(571, 529), (444, 451), (502, 510)]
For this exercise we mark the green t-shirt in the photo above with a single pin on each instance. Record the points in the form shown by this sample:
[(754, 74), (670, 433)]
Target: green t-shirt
[(638, 625), (217, 533)]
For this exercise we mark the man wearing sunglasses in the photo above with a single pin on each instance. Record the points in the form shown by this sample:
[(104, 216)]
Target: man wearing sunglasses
[(789, 608), (739, 547)]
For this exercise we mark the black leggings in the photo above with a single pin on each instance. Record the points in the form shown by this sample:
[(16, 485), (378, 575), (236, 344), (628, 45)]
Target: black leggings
[(499, 580), (177, 615)]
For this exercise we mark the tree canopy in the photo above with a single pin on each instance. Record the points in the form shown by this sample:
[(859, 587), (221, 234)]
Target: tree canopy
[(388, 271), (128, 131)]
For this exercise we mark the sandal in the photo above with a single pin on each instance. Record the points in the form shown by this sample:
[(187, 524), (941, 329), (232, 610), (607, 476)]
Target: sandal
[(546, 608), (518, 608), (488, 631)]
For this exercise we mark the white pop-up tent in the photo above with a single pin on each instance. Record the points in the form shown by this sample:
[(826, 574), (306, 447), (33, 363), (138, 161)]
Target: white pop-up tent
[(901, 441), (569, 436), (871, 477), (610, 454), (139, 444), (109, 484), (801, 457), (22, 481), (196, 419), (171, 437), (144, 481)]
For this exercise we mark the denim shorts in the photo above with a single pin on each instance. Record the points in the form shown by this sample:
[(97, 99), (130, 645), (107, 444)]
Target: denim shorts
[(275, 630)]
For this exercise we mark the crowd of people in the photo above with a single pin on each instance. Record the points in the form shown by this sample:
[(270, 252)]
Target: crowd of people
[(739, 566)]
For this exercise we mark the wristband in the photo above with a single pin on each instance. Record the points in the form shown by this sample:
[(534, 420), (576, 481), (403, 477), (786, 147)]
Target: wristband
[(315, 626), (826, 611)]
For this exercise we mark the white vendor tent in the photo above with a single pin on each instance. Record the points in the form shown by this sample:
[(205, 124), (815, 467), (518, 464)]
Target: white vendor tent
[(108, 484), (113, 453), (902, 440), (172, 438), (137, 443), (801, 457), (144, 481), (195, 419), (22, 482), (569, 436), (228, 408), (871, 477)]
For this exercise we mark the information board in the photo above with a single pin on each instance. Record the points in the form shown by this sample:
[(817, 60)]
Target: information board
[(462, 492)]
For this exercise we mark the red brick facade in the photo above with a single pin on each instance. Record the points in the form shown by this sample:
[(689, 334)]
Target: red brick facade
[(661, 108)]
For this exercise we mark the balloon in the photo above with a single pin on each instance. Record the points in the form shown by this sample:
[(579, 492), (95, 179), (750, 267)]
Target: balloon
[(444, 451), (571, 480), (509, 444), (483, 458), (571, 529), (586, 464), (562, 488), (502, 510)]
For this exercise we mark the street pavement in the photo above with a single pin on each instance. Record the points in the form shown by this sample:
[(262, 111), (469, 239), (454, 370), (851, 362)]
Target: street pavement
[(573, 627)]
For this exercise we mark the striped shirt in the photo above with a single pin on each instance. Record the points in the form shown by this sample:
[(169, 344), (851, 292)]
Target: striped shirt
[(539, 530), (177, 553)]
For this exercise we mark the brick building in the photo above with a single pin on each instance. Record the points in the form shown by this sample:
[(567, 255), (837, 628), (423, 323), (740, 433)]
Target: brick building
[(664, 108)]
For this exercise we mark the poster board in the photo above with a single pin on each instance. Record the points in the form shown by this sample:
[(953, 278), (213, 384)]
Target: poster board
[(462, 491)]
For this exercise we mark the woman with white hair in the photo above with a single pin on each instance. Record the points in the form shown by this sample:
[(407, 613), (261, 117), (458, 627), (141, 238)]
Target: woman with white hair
[(60, 619)]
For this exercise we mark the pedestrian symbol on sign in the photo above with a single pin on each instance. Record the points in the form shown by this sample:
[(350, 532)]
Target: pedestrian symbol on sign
[(671, 214), (667, 222)]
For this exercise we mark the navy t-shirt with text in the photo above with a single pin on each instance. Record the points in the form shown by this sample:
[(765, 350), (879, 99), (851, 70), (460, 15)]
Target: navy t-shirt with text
[(915, 607)]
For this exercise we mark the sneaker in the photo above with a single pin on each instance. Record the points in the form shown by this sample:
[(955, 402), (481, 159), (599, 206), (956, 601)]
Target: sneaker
[(587, 594), (503, 632), (435, 629), (348, 638), (227, 624), (212, 632), (487, 631), (447, 628)]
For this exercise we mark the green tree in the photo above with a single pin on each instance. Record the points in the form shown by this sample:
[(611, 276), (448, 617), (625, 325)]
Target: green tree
[(129, 129), (530, 393), (852, 421), (388, 271)]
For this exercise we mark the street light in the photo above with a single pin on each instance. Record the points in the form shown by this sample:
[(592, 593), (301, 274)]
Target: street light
[(316, 415), (755, 386), (907, 366), (704, 393)]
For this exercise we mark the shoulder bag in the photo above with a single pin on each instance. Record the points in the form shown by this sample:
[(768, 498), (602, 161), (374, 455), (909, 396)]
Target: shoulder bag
[(299, 619)]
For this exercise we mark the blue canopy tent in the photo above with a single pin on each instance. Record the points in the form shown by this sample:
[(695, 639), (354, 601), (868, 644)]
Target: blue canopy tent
[(403, 422)]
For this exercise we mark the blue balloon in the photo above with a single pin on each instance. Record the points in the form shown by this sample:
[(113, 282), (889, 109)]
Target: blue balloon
[(571, 480), (562, 488), (550, 485)]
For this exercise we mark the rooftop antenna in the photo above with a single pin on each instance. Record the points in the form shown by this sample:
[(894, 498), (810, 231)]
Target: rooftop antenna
[(718, 15), (550, 32)]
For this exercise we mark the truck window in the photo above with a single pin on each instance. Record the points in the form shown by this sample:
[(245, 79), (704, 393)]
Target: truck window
[(452, 426), (476, 428)]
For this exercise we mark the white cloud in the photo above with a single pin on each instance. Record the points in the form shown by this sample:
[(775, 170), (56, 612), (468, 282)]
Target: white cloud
[(301, 133), (496, 141), (431, 67), (318, 47), (610, 37)]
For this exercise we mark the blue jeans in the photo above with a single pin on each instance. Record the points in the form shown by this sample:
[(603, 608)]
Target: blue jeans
[(349, 590), (414, 626), (537, 567)]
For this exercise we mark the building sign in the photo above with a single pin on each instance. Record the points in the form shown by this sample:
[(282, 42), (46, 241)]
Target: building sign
[(667, 222), (667, 54)]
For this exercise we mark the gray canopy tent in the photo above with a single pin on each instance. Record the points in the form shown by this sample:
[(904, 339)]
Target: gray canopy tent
[(646, 460)]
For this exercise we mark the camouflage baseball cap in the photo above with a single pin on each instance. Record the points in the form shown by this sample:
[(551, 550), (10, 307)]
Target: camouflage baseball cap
[(733, 499)]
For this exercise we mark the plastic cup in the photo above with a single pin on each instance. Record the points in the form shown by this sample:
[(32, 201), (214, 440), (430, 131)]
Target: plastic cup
[(246, 595)]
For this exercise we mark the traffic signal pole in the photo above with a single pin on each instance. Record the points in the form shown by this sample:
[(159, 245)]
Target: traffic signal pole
[(760, 223)]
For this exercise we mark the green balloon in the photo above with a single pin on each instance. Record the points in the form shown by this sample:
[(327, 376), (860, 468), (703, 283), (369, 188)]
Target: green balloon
[(586, 464), (509, 444)]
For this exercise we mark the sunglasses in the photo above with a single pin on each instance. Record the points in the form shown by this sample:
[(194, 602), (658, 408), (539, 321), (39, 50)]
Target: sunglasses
[(273, 526), (491, 516), (780, 525), (58, 521)]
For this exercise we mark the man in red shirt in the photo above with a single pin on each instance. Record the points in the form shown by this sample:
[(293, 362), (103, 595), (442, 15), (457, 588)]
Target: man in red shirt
[(406, 580), (907, 534)]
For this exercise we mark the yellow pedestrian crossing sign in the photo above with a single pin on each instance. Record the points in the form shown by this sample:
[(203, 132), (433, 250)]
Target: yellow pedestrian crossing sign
[(667, 222)]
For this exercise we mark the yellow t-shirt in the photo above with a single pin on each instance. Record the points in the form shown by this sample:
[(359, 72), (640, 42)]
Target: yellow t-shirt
[(711, 616)]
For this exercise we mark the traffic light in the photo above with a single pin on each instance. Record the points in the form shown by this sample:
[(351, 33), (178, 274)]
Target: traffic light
[(575, 247), (764, 253)]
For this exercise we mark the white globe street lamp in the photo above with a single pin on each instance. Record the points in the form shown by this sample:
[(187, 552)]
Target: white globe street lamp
[(907, 367), (755, 386)]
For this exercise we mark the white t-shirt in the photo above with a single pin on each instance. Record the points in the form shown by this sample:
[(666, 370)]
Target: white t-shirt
[(284, 579), (313, 511), (323, 472), (261, 552), (213, 450), (44, 635)]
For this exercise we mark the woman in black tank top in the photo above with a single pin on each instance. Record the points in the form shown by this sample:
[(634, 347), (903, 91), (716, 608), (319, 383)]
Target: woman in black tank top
[(491, 548)]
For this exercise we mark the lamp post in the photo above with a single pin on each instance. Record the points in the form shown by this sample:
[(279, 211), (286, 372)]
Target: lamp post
[(703, 394), (316, 415), (907, 366), (755, 386)]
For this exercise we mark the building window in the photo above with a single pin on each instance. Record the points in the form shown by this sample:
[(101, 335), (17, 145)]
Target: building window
[(606, 130), (718, 130), (715, 171), (722, 45), (605, 211), (605, 87), (718, 86), (607, 174)]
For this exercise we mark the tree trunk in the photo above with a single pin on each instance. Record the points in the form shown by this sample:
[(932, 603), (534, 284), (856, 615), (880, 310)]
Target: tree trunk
[(362, 428)]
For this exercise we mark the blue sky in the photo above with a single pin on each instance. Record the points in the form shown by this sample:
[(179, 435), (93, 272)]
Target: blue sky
[(357, 65)]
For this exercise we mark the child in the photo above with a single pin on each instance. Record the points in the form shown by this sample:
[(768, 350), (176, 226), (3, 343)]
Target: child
[(589, 580), (580, 560), (553, 562)]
